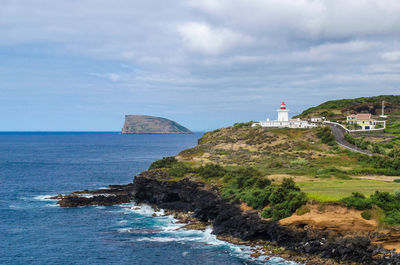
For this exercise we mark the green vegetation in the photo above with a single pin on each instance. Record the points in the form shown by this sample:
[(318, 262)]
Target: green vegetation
[(378, 148), (326, 136), (285, 199), (276, 170), (337, 108), (166, 162), (381, 164), (243, 124), (367, 215), (389, 203), (332, 190), (247, 184), (303, 210), (357, 201), (211, 171)]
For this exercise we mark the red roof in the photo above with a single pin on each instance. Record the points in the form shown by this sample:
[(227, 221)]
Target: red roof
[(364, 117)]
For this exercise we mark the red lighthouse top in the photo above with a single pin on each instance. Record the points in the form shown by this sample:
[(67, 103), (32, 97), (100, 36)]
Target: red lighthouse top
[(283, 105)]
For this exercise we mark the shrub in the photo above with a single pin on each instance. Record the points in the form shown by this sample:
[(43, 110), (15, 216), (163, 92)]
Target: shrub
[(298, 162), (256, 198), (390, 204), (249, 186), (366, 215), (267, 213), (285, 199), (211, 170), (179, 170), (385, 201), (357, 201), (302, 210), (396, 194), (244, 177), (166, 162), (393, 218), (326, 136), (333, 171), (243, 124)]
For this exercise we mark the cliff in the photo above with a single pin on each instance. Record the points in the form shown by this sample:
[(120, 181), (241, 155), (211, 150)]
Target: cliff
[(233, 223), (136, 124)]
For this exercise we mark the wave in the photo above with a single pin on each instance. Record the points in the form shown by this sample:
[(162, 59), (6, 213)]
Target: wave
[(165, 228), (44, 197)]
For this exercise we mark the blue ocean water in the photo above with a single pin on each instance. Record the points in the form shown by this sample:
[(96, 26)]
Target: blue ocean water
[(34, 230)]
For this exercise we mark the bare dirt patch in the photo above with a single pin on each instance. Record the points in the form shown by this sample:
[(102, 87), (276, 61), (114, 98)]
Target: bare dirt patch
[(334, 219), (379, 178)]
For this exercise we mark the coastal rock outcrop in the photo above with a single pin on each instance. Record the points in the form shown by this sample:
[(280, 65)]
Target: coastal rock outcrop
[(115, 194), (228, 219), (137, 124)]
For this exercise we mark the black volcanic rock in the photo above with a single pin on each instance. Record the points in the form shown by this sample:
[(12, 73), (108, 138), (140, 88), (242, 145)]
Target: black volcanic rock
[(136, 124), (115, 194), (229, 220)]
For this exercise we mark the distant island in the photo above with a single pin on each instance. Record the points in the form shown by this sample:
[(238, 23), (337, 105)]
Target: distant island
[(137, 124)]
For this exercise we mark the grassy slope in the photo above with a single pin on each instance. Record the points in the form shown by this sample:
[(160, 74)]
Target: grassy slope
[(336, 189), (338, 109), (325, 173), (342, 105)]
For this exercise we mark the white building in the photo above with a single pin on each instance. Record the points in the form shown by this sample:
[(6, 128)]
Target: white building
[(284, 121), (317, 119), (365, 121)]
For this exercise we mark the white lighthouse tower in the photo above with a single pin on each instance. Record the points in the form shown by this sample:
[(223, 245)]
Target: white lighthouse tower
[(284, 121), (283, 113)]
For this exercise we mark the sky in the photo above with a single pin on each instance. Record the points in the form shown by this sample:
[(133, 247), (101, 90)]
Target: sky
[(81, 65)]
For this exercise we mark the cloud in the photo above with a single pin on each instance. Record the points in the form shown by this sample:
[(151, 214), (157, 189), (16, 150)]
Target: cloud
[(196, 53), (309, 19), (202, 38), (391, 56)]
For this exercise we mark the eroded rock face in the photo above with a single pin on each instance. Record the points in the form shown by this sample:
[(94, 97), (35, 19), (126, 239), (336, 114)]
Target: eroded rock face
[(229, 220)]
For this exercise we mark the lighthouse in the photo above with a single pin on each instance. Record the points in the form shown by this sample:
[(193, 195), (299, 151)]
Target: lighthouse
[(283, 112), (284, 121)]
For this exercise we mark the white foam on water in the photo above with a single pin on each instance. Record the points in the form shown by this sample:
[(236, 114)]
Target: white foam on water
[(52, 205), (124, 230), (158, 239), (168, 230), (44, 198)]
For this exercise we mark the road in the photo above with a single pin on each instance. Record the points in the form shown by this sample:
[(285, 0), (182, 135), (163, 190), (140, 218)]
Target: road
[(338, 132)]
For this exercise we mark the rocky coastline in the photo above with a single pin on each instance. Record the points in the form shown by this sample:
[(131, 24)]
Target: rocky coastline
[(197, 204)]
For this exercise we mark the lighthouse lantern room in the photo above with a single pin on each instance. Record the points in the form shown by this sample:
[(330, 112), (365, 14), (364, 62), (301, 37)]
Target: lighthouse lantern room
[(283, 113)]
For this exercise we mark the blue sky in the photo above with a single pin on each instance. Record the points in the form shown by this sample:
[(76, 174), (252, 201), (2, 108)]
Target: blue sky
[(82, 65)]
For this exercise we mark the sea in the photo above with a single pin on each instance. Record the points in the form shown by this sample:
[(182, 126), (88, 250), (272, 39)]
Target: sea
[(35, 230)]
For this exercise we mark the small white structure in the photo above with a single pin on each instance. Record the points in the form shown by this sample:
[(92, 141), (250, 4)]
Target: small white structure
[(284, 121), (365, 121), (317, 119)]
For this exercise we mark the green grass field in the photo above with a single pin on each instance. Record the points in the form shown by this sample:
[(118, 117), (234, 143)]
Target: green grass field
[(334, 190)]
